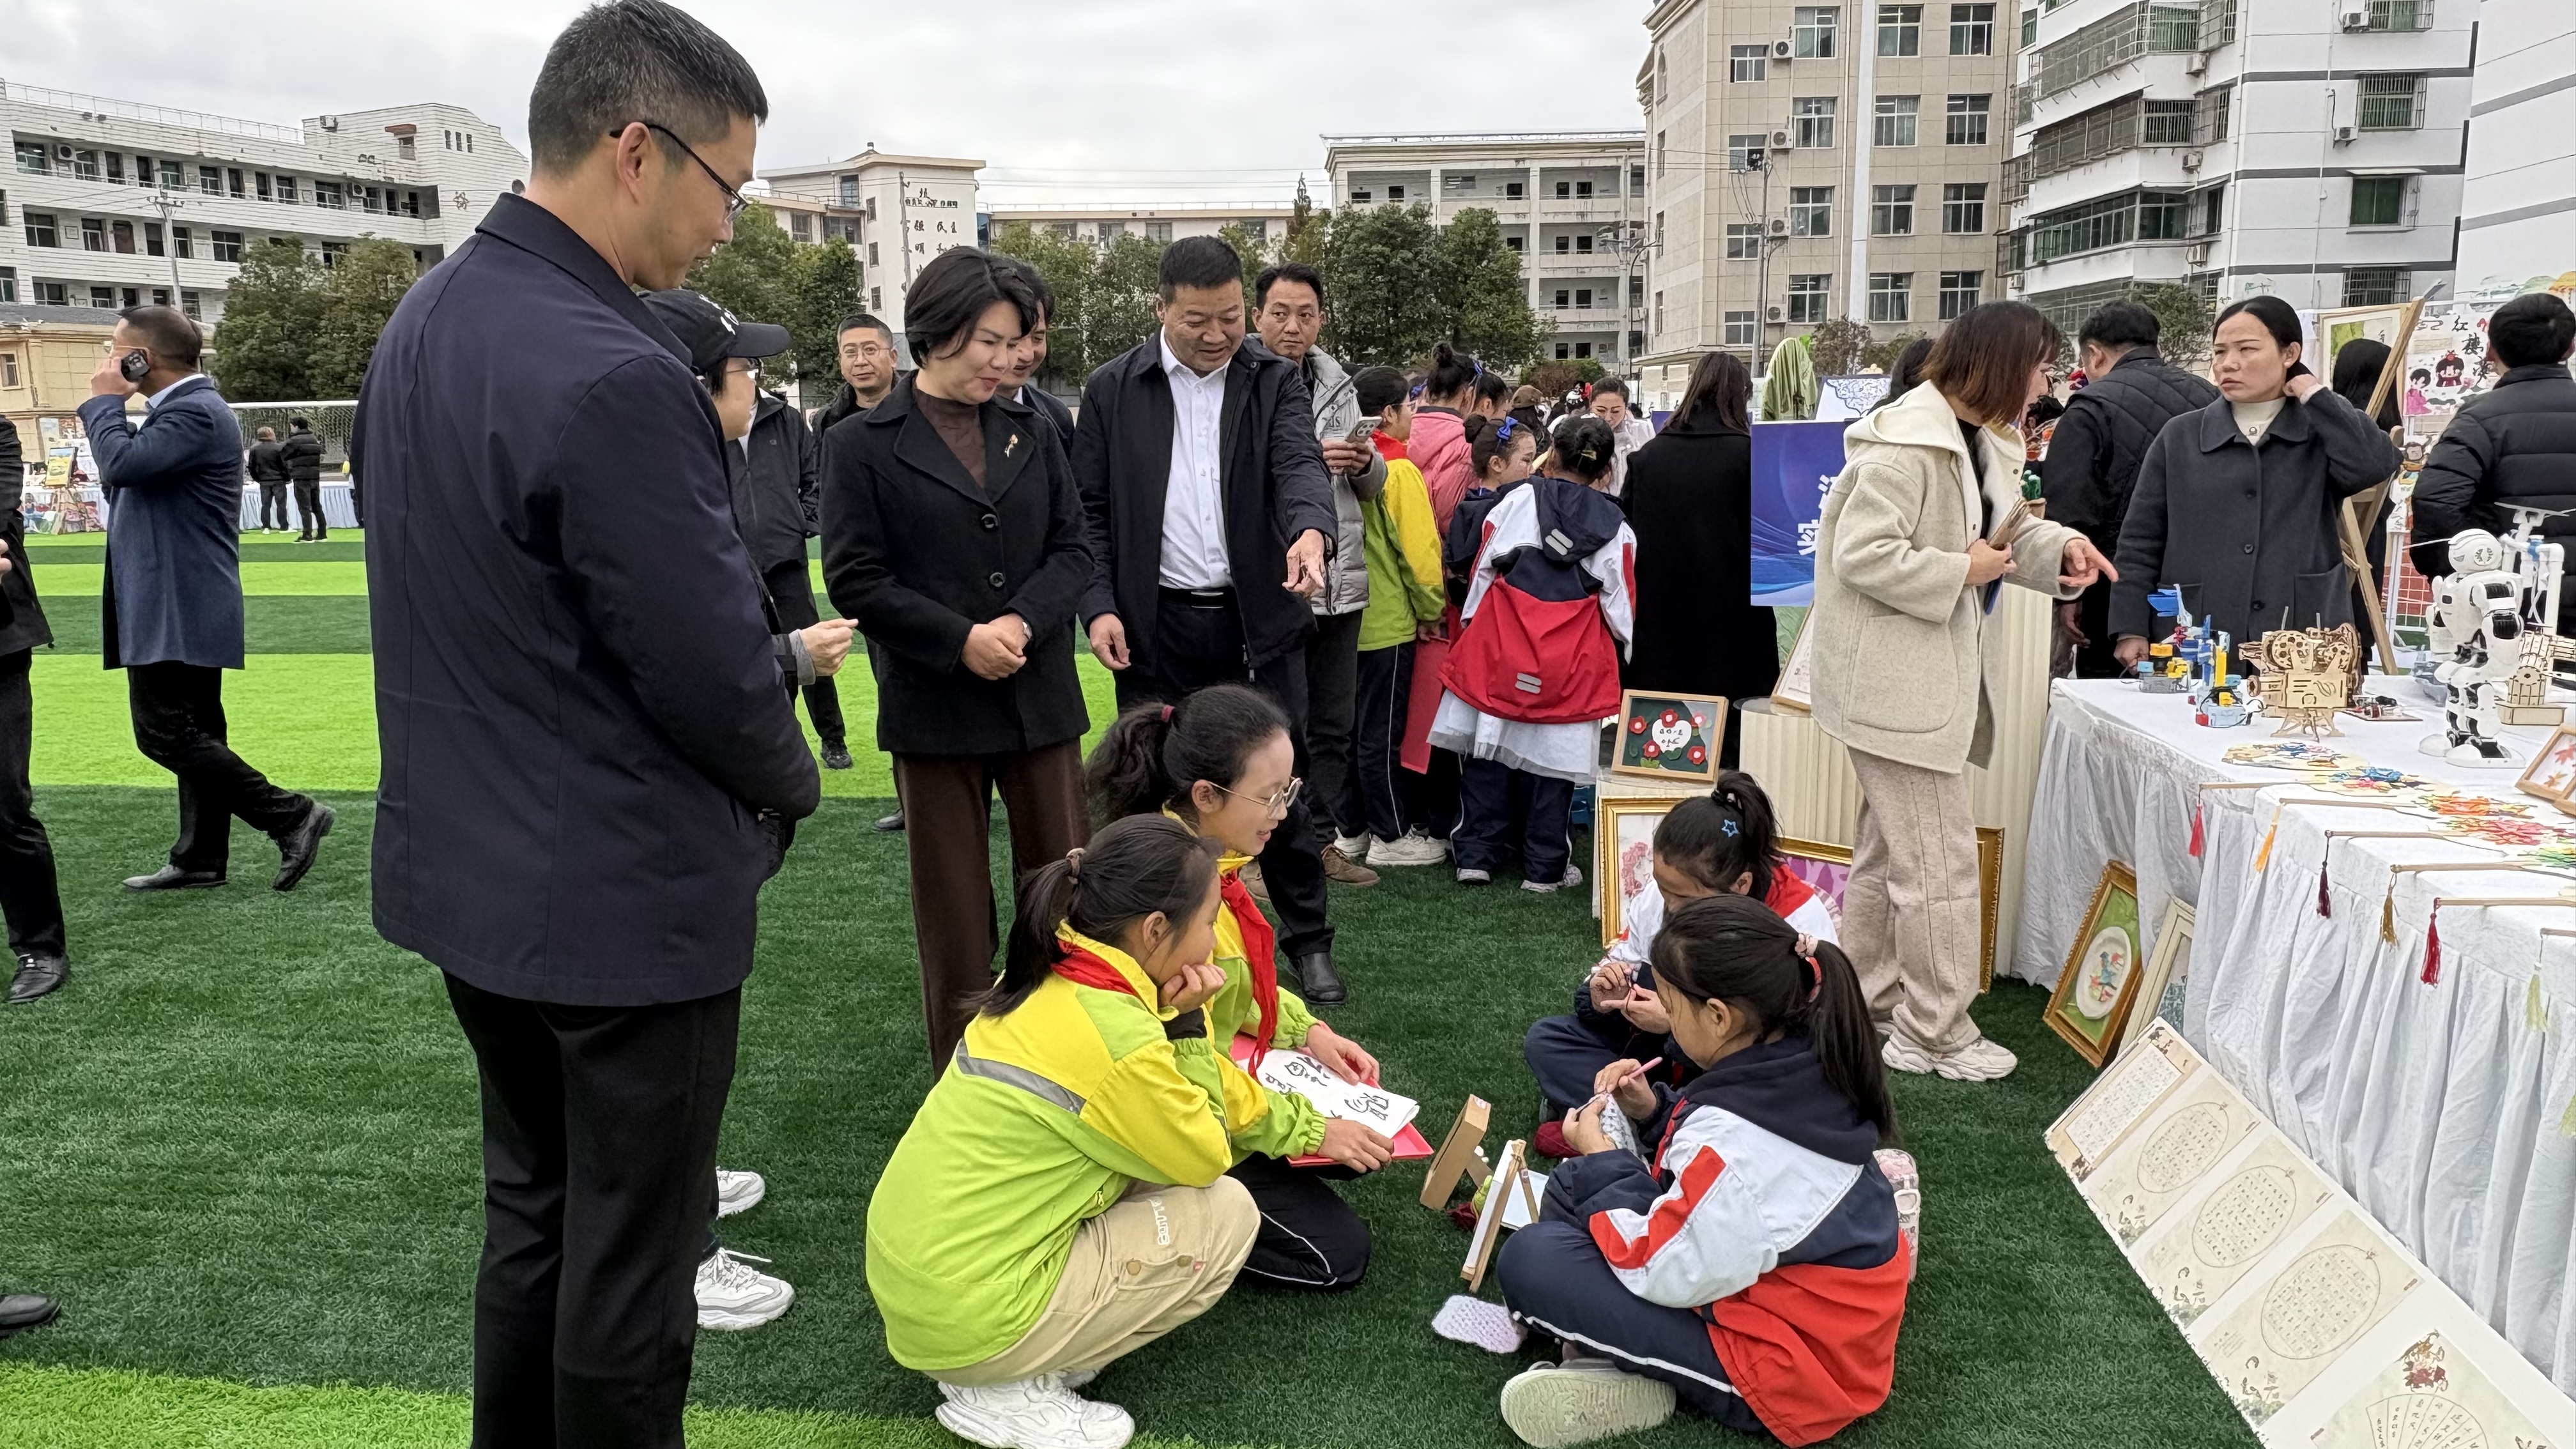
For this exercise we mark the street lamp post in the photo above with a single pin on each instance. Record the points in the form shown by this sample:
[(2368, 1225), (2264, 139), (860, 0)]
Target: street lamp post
[(169, 239)]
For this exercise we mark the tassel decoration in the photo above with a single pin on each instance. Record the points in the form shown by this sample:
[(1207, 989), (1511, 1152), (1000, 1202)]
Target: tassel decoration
[(2263, 857), (2433, 948), (2388, 912), (2325, 902), (2535, 1012), (2195, 830)]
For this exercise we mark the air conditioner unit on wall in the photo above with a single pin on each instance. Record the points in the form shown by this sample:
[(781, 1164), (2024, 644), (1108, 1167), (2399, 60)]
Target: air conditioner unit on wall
[(1777, 226), (2356, 17), (2191, 160), (2196, 63), (1775, 314), (2343, 135), (1779, 140), (1782, 50), (2196, 254)]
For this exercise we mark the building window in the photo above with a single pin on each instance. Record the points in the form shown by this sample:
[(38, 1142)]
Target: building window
[(800, 226), (35, 158), (2376, 286), (160, 296), (1513, 191), (103, 298), (1583, 349), (173, 177), (233, 182), (1959, 292), (115, 169), (1743, 63), (1564, 350), (2209, 210), (333, 251), (1811, 121), (2161, 215), (228, 245), (1659, 314), (210, 180), (1659, 233), (93, 234), (1739, 330), (1963, 207), (1743, 241), (1637, 179), (1515, 243), (2399, 15), (1891, 211), (85, 165), (1395, 193), (1811, 31), (1659, 153), (1582, 299), (189, 304), (872, 249), (1361, 196), (1110, 231), (9, 293), (847, 188), (1966, 116), (2165, 123), (2029, 29), (2209, 114), (1893, 125), (1891, 296), (1807, 296), (2392, 102), (52, 294), (1661, 72), (876, 299), (265, 191), (1583, 242), (120, 237), (1811, 211), (328, 194), (1257, 229), (286, 190), (181, 245), (1159, 233), (2379, 201), (40, 229), (1900, 30), (1972, 29), (8, 360), (1743, 153)]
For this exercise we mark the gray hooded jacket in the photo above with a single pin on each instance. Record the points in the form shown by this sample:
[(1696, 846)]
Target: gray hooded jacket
[(1337, 411)]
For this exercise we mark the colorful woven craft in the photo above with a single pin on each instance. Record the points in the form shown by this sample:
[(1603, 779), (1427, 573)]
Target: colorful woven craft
[(2371, 780), (2293, 755), (2471, 806), (2507, 831)]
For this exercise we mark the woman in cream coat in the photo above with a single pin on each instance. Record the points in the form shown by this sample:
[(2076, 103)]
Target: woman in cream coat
[(1904, 667)]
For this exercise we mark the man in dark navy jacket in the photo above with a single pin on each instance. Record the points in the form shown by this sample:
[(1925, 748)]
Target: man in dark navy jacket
[(590, 756), (171, 604)]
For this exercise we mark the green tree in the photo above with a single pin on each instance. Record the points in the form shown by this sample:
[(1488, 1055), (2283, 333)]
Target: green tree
[(827, 290), (755, 275), (1256, 254), (1480, 281), (359, 295), (1125, 285), (1383, 268), (1882, 354), (264, 347), (2183, 318), (1068, 264), (1838, 346)]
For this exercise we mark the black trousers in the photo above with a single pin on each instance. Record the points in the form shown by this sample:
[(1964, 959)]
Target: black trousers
[(1332, 702), (1198, 641), (1555, 1278), (308, 504), (272, 503), (1309, 1237), (179, 725), (1381, 786), (27, 892), (791, 592), (599, 1163), (1494, 798)]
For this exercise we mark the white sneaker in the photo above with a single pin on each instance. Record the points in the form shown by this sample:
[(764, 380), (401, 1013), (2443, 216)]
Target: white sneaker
[(1038, 1413), (1982, 1060), (733, 1294), (1573, 879), (738, 1192), (1354, 846), (1583, 1400), (1416, 848), (1475, 877)]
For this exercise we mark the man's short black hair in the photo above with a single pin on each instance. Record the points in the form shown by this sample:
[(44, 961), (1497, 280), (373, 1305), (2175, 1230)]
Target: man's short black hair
[(1200, 261), (1038, 287), (948, 297), (2531, 329), (2118, 326), (167, 332), (637, 60), (1610, 387), (1298, 272), (305, 424), (857, 320)]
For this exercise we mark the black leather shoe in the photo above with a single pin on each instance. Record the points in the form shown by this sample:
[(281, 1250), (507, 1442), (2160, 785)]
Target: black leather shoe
[(297, 847), (889, 824), (1318, 982), (172, 878), (22, 1311), (37, 975), (836, 757)]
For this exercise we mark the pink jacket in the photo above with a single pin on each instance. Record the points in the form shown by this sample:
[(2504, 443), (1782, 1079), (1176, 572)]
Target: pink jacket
[(1439, 448)]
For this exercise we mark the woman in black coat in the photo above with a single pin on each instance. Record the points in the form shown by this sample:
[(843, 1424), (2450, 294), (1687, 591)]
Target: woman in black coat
[(953, 535), (2236, 503), (1690, 501)]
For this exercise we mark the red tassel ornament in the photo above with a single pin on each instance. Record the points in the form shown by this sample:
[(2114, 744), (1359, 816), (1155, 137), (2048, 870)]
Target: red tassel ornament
[(2433, 948), (2195, 831)]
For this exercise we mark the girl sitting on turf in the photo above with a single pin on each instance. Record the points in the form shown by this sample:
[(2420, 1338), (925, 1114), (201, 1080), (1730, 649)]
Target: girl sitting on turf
[(1219, 762), (1060, 1198), (1758, 1268), (1724, 842)]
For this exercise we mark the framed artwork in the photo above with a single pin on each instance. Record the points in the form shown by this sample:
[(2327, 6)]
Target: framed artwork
[(2552, 771), (1623, 849), (1825, 868), (2166, 966), (1668, 736), (2090, 1007), (1796, 689), (1990, 902), (2392, 325)]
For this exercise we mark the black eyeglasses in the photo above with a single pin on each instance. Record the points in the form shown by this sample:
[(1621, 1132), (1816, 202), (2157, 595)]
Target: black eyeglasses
[(735, 201)]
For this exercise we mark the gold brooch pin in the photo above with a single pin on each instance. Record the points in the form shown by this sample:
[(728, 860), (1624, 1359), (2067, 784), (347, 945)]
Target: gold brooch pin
[(1013, 443)]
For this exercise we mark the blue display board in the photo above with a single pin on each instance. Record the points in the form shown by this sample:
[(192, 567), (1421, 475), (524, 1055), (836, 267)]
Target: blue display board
[(1794, 466)]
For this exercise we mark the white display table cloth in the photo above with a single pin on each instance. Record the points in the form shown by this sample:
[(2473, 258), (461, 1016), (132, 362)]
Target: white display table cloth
[(2447, 1108)]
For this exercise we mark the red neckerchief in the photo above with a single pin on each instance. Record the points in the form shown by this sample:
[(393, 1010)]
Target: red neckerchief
[(1388, 448), (1788, 892), (1260, 958), (1084, 969)]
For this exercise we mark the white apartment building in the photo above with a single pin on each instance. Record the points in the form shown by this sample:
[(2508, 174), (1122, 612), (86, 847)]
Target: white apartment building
[(112, 203), (1817, 162), (2518, 202), (898, 211), (1086, 221), (2310, 149), (1573, 203)]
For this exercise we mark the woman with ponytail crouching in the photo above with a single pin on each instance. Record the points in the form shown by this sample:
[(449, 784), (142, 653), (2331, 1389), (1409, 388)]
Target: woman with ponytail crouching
[(1757, 1268), (1060, 1198)]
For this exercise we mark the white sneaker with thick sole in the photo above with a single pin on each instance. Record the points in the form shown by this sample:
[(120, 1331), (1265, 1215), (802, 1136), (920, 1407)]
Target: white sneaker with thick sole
[(1354, 846), (1416, 848), (1472, 877), (733, 1294), (1982, 1060), (1038, 1413), (738, 1192), (1583, 1400), (1573, 880)]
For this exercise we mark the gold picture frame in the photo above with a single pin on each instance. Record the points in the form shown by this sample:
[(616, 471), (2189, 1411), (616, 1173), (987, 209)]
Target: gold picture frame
[(2551, 775), (1990, 902), (1612, 818), (2099, 987), (1647, 717), (2172, 953)]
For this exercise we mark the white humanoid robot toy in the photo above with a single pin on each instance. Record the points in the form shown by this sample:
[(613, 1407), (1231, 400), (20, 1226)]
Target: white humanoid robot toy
[(2477, 618)]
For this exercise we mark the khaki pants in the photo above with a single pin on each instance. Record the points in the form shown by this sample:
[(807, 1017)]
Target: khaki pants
[(1159, 1258), (1910, 912)]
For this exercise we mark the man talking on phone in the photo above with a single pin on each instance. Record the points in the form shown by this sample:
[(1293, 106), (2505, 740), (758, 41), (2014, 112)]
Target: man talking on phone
[(171, 603)]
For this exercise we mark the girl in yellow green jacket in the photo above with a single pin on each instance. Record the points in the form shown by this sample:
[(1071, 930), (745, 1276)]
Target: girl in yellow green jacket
[(1221, 764), (1060, 1198), (1406, 599)]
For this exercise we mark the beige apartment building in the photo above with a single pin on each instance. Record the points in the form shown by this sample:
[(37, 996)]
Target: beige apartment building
[(1810, 162), (1094, 222), (897, 211)]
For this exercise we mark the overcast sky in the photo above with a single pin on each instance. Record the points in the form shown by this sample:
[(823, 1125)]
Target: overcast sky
[(1066, 100)]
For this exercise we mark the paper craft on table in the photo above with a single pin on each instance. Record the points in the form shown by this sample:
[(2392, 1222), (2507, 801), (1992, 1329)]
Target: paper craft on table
[(2170, 1155), (2331, 1291), (2193, 1257), (2433, 1397), (2464, 806), (2293, 755)]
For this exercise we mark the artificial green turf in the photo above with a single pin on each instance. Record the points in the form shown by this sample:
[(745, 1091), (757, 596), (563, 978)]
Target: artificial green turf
[(90, 548), (254, 1145), (271, 623), (258, 576)]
